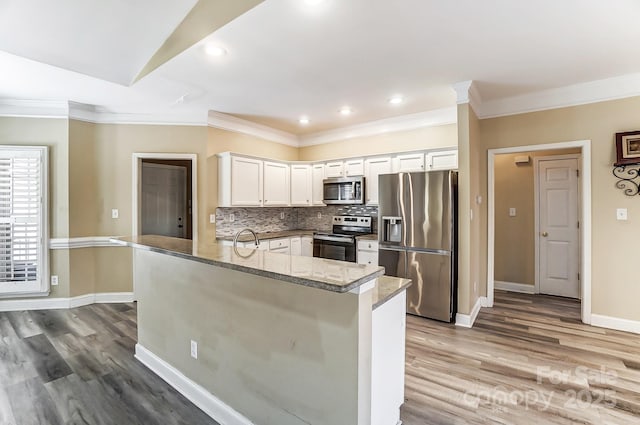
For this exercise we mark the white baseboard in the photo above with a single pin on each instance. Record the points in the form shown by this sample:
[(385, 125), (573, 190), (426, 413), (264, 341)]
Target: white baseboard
[(467, 320), (615, 323), (195, 393), (522, 288), (63, 303)]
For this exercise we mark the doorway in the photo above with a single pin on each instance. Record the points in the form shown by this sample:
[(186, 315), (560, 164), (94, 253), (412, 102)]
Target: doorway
[(165, 198), (557, 267), (164, 195)]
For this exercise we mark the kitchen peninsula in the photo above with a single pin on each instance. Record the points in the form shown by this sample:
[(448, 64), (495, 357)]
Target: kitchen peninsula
[(281, 339)]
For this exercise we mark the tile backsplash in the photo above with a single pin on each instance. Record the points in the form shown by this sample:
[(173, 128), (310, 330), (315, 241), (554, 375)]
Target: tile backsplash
[(269, 219)]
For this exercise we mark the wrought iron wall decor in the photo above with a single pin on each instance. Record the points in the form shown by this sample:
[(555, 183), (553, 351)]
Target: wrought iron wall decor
[(628, 176)]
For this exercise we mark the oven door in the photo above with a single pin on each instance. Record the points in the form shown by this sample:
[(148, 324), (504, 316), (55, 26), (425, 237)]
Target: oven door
[(334, 247)]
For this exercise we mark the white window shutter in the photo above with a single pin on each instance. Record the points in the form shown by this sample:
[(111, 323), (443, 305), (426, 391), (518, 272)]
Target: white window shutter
[(23, 254)]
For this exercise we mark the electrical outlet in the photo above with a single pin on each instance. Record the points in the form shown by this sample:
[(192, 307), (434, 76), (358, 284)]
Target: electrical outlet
[(115, 213), (232, 218), (54, 280), (282, 216), (512, 212), (319, 215), (194, 349), (212, 218)]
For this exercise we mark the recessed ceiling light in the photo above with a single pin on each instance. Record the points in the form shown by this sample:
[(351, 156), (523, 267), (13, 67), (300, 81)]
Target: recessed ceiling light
[(396, 100), (213, 50), (345, 110), (304, 120)]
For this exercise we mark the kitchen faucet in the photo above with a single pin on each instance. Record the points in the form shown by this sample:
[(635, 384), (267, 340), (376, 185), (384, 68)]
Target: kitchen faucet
[(246, 229)]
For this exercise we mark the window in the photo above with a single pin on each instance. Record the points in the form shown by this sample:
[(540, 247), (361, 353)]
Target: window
[(23, 220)]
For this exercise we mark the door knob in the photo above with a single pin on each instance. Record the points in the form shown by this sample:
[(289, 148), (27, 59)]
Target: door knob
[(545, 234)]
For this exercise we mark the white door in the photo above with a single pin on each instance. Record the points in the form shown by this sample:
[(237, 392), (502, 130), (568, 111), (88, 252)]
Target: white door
[(354, 167), (246, 182), (558, 227), (409, 162), (164, 200), (333, 169), (300, 184), (442, 160), (317, 188), (373, 168), (276, 184)]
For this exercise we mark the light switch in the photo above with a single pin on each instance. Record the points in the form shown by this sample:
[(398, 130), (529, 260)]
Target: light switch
[(212, 218), (621, 213), (115, 213), (512, 212)]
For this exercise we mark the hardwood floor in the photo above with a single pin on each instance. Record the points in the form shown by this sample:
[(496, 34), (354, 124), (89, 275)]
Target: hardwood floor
[(77, 367), (528, 360)]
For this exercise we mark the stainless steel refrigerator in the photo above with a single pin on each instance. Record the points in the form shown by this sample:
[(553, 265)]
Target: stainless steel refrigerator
[(417, 228)]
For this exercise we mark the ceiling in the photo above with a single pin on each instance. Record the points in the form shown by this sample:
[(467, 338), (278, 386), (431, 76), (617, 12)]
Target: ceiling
[(287, 58)]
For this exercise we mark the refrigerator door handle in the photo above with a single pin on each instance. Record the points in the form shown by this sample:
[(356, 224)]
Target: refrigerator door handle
[(390, 248)]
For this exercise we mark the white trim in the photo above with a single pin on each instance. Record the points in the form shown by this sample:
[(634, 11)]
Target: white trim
[(467, 92), (198, 395), (578, 94), (65, 303), (389, 125), (99, 115), (239, 125), (467, 320), (33, 108), (536, 210), (137, 158), (616, 323), (585, 218), (85, 242), (521, 288)]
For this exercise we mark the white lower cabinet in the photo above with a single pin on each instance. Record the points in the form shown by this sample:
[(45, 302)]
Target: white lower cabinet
[(282, 246), (367, 252), (296, 246), (307, 246)]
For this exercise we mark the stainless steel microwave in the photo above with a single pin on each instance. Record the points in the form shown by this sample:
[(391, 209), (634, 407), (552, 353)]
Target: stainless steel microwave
[(343, 190)]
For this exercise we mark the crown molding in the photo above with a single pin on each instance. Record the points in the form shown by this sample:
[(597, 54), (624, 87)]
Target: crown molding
[(33, 108), (389, 125), (578, 94), (239, 125), (98, 115), (467, 92)]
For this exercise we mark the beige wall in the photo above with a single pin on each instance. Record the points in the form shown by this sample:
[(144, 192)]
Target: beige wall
[(515, 236), (53, 133), (615, 282), (442, 136)]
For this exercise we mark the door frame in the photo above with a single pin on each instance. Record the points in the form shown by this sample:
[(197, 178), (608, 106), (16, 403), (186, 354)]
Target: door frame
[(137, 185), (536, 202), (585, 216)]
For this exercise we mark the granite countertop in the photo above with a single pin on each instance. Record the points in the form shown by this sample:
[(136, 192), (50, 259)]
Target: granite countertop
[(388, 287), (248, 237), (330, 275)]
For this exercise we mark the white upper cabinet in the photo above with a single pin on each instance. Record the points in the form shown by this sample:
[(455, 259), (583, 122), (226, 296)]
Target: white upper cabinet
[(409, 162), (354, 167), (317, 189), (373, 167), (276, 184), (333, 169), (239, 181), (301, 184), (442, 160)]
